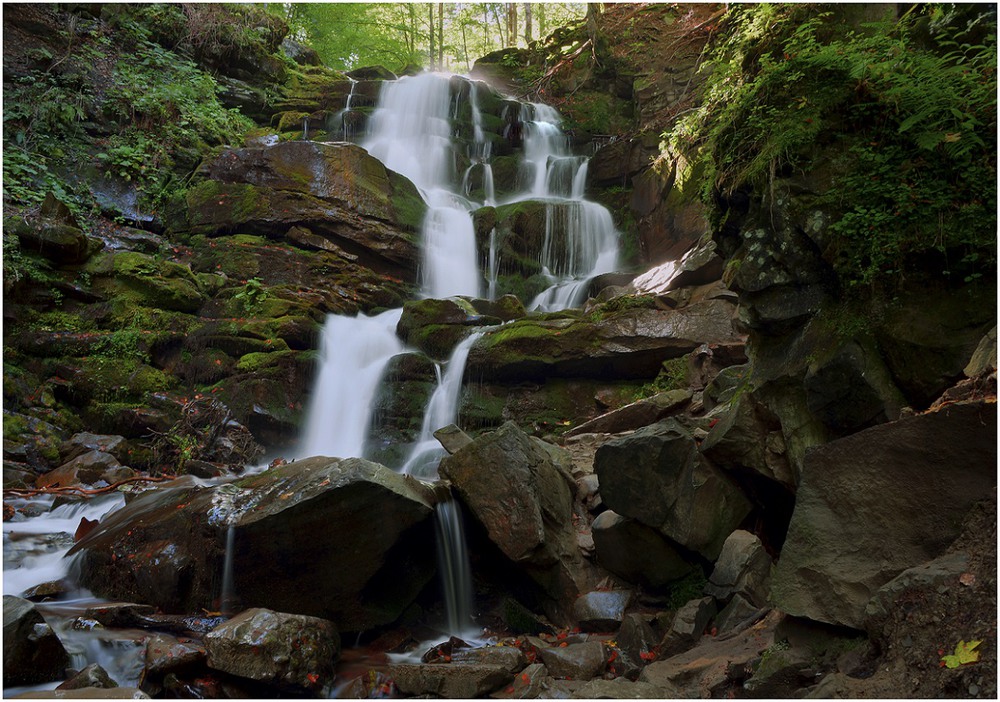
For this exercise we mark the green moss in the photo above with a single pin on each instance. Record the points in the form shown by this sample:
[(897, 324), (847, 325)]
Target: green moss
[(251, 362)]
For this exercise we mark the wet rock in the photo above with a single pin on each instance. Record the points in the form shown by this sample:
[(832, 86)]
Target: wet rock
[(461, 681), (633, 416), (93, 676), (622, 689), (165, 653), (288, 650), (700, 265), (688, 626), (32, 653), (452, 438), (630, 343), (88, 693), (658, 477), (508, 657), (534, 682), (87, 468), (167, 547), (636, 552), (581, 661), (601, 610), (984, 358), (83, 442), (436, 326), (743, 568), (515, 489), (120, 615), (846, 539)]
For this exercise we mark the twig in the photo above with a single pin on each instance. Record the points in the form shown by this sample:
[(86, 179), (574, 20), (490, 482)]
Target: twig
[(86, 492)]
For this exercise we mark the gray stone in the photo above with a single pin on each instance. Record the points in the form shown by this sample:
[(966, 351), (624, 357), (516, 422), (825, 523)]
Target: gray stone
[(601, 610), (452, 438), (515, 489), (82, 442), (87, 468), (940, 571), (984, 358), (93, 676), (453, 681), (165, 653), (658, 477), (508, 657), (534, 682), (848, 536), (633, 416), (87, 693), (734, 614), (289, 650), (743, 568), (581, 661), (622, 689), (32, 653), (636, 552), (121, 615), (688, 626), (637, 638)]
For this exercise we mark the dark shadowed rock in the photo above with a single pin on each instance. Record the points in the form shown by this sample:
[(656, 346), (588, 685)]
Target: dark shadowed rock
[(641, 413), (515, 489), (165, 653), (365, 532), (657, 477), (285, 649), (534, 682), (509, 657), (743, 568), (637, 638), (32, 653), (878, 502), (688, 626)]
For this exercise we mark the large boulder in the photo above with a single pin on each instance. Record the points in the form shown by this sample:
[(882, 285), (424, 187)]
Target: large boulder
[(32, 653), (513, 486), (336, 191), (287, 650), (54, 233), (345, 540), (629, 343), (637, 552), (640, 413), (658, 477), (877, 502)]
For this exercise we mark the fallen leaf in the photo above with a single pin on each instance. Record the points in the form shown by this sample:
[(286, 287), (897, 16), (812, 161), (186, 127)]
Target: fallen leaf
[(967, 579), (964, 654)]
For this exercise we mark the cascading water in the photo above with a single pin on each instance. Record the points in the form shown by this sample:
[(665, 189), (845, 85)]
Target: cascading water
[(354, 354), (441, 411), (341, 123), (453, 565)]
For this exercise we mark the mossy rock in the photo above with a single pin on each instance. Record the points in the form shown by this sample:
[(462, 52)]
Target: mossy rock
[(252, 362), (160, 284)]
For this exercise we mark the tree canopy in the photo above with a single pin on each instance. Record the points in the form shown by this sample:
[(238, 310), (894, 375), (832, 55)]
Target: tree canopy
[(442, 36)]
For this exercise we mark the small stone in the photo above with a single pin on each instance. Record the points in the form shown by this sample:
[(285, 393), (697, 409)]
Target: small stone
[(973, 689)]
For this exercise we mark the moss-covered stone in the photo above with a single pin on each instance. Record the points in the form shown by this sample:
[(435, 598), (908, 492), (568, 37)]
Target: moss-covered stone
[(161, 284)]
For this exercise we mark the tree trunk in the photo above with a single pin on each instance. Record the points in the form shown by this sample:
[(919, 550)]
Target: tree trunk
[(593, 9), (527, 22), (541, 20), (512, 23), (441, 36), (465, 49), (430, 17)]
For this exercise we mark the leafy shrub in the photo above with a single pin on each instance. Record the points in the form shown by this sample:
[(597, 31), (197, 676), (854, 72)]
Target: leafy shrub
[(910, 106)]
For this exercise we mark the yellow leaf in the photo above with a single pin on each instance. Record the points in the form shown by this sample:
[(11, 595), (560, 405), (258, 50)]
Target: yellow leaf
[(952, 136), (964, 654)]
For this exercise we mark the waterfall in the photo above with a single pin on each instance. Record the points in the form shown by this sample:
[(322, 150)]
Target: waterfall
[(354, 354), (441, 411), (453, 566), (411, 134), (339, 122)]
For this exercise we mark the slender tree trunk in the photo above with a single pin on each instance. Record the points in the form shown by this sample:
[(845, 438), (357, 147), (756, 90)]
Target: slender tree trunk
[(593, 9), (512, 23), (441, 36), (541, 20), (486, 29), (465, 49), (430, 16), (503, 39), (527, 22), (411, 35)]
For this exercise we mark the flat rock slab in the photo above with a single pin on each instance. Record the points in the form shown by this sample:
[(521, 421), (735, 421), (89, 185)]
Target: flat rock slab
[(581, 661), (623, 689), (602, 610), (450, 680)]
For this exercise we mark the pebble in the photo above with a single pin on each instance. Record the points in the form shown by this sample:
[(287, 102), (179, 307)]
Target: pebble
[(973, 689)]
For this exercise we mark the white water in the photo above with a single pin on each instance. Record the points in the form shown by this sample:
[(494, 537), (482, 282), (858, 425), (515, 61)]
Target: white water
[(340, 121), (442, 410), (354, 354), (453, 564)]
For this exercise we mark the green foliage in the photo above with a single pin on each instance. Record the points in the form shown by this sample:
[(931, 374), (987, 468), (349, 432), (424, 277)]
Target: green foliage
[(690, 587), (912, 114), (252, 296), (121, 344), (672, 376)]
